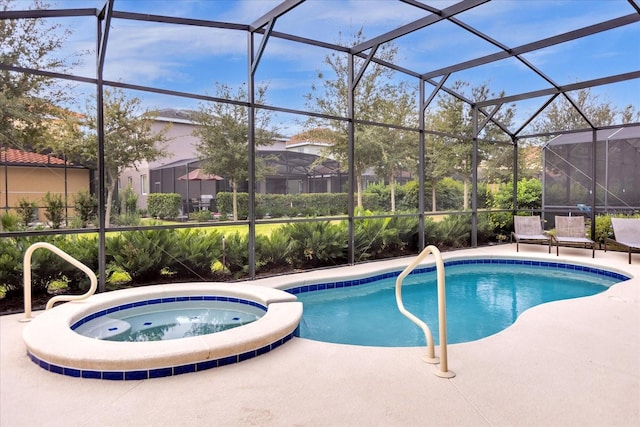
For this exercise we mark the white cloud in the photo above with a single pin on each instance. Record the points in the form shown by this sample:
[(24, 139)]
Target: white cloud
[(166, 55)]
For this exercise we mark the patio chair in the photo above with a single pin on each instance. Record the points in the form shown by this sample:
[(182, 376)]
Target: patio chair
[(627, 234), (528, 229), (570, 231)]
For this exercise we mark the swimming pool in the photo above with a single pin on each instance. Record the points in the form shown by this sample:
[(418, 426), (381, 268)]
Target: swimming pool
[(484, 296), (54, 345)]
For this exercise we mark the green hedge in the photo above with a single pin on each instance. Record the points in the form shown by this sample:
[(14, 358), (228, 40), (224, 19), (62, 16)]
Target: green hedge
[(292, 205), (224, 202), (164, 205)]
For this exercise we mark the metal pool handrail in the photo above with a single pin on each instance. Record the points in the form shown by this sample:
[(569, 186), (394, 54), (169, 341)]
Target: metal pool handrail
[(442, 311), (62, 254)]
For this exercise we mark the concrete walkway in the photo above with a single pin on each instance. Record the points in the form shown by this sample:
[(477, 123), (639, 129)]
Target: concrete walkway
[(566, 363)]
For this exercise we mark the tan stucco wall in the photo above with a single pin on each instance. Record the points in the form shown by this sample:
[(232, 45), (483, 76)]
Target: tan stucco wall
[(32, 183)]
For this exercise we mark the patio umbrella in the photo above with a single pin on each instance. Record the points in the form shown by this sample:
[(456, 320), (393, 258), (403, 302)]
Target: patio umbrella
[(198, 175)]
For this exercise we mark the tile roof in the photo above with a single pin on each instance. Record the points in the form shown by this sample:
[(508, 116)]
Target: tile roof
[(19, 157)]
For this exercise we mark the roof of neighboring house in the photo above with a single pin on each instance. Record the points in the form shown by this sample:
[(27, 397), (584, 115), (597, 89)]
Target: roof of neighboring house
[(173, 115), (317, 136), (26, 158)]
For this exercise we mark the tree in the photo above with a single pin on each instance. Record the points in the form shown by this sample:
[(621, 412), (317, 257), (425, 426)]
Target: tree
[(223, 132), (374, 96), (397, 149), (562, 115), (454, 117), (529, 196), (28, 102), (438, 162), (128, 138), (629, 114)]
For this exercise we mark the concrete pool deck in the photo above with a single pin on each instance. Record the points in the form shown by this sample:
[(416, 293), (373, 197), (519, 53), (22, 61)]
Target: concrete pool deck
[(566, 363)]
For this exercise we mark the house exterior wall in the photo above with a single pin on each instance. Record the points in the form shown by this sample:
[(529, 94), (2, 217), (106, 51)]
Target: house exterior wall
[(180, 146), (33, 183)]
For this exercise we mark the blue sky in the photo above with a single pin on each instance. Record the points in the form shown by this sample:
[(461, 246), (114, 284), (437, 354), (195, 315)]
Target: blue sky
[(192, 59)]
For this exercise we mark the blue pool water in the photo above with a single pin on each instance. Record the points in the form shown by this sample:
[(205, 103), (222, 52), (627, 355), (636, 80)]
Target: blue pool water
[(482, 299), (169, 318)]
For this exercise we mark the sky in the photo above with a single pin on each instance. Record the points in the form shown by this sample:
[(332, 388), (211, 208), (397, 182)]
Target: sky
[(192, 59)]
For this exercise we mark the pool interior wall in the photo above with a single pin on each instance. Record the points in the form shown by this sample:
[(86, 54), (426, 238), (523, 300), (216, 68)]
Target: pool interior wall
[(618, 276)]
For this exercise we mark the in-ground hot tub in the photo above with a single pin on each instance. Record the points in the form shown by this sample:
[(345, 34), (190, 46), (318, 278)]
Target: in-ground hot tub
[(54, 345)]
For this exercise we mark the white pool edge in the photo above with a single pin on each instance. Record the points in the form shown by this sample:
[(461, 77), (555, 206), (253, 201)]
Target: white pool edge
[(52, 344)]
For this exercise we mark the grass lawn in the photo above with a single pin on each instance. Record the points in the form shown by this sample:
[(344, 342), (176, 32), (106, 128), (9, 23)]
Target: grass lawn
[(262, 229)]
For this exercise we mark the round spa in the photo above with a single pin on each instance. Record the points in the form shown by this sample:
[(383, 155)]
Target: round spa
[(94, 339)]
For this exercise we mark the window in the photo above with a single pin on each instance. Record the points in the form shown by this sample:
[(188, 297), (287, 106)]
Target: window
[(144, 185), (130, 181)]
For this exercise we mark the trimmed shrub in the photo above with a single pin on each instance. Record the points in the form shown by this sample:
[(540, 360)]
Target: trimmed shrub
[(273, 251), (603, 229), (9, 221), (54, 209), (200, 216), (224, 202), (45, 265), (454, 231), (129, 201), (449, 196), (164, 205), (11, 266), (407, 231), (292, 205), (142, 253), (433, 234), (409, 202), (529, 196), (86, 206), (236, 253), (485, 230), (372, 236), (84, 248), (316, 244), (126, 219), (195, 251), (26, 211)]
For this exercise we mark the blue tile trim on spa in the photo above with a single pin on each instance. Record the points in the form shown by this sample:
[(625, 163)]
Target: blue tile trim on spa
[(157, 372), (393, 274), (164, 301)]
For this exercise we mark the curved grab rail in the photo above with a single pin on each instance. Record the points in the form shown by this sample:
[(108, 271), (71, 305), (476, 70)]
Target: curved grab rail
[(442, 311), (62, 254)]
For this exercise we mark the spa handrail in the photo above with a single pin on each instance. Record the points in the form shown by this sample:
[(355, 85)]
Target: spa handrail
[(62, 254), (442, 311)]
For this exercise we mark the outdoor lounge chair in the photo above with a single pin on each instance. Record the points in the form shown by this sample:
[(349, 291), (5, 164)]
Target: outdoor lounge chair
[(570, 232), (627, 234), (528, 229)]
